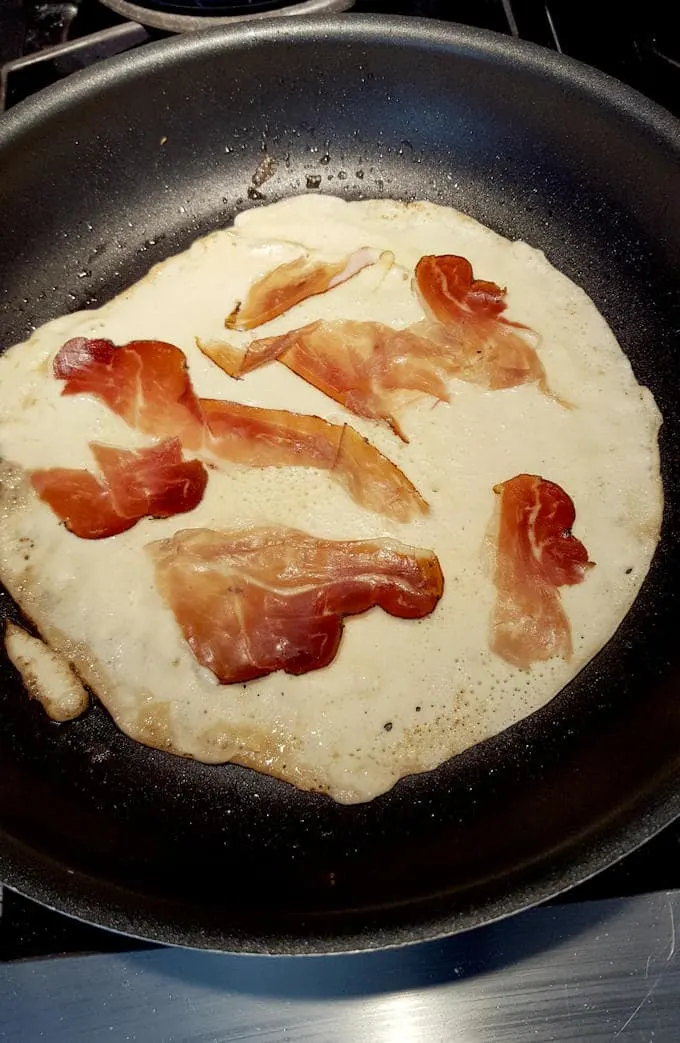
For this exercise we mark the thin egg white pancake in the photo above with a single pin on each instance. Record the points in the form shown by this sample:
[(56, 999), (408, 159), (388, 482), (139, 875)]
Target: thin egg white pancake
[(402, 695)]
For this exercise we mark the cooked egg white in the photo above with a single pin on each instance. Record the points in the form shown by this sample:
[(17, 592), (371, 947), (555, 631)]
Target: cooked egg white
[(401, 696)]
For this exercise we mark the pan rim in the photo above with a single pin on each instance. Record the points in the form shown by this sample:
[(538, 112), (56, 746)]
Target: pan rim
[(365, 28), (86, 897), (83, 898)]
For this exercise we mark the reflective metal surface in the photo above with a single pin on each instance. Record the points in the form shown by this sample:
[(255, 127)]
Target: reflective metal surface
[(181, 21), (71, 55), (590, 971)]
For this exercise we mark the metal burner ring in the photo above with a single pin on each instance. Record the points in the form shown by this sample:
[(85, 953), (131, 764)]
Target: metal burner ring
[(180, 23)]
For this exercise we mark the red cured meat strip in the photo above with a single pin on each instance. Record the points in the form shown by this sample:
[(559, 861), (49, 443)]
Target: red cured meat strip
[(536, 554), (293, 282), (254, 601), (147, 383), (154, 482)]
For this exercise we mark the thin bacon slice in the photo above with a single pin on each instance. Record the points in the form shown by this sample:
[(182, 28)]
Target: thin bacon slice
[(535, 555), (147, 383), (451, 293), (291, 283), (254, 601), (153, 482), (371, 368)]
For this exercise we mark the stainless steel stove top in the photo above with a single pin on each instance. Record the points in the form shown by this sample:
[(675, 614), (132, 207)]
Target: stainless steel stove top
[(588, 973)]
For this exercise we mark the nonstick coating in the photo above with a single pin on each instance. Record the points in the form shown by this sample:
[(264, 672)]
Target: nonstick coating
[(125, 164)]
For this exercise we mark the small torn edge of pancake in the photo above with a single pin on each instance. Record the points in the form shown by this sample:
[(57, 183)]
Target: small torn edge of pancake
[(47, 676)]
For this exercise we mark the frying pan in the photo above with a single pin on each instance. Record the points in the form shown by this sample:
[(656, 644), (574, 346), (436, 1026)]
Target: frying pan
[(123, 165)]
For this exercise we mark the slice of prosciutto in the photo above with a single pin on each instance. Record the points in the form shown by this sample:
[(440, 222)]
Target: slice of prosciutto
[(273, 437), (536, 554), (373, 370), (81, 501), (147, 383), (367, 367), (152, 482), (495, 352), (257, 600), (291, 283)]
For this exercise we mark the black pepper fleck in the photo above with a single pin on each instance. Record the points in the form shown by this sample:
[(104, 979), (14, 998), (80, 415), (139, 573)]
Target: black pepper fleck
[(388, 726)]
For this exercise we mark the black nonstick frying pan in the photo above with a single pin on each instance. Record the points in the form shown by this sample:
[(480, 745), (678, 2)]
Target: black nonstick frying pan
[(125, 164)]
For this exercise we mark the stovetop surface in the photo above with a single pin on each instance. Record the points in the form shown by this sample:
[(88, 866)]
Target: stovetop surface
[(42, 41), (640, 45)]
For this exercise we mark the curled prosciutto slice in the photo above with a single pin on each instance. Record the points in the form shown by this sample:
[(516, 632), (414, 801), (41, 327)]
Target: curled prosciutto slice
[(147, 383), (153, 482), (254, 601), (450, 292), (536, 554), (291, 283), (494, 352)]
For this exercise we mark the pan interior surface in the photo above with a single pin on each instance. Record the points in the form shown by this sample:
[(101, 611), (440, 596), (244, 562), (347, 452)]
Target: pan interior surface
[(152, 149)]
